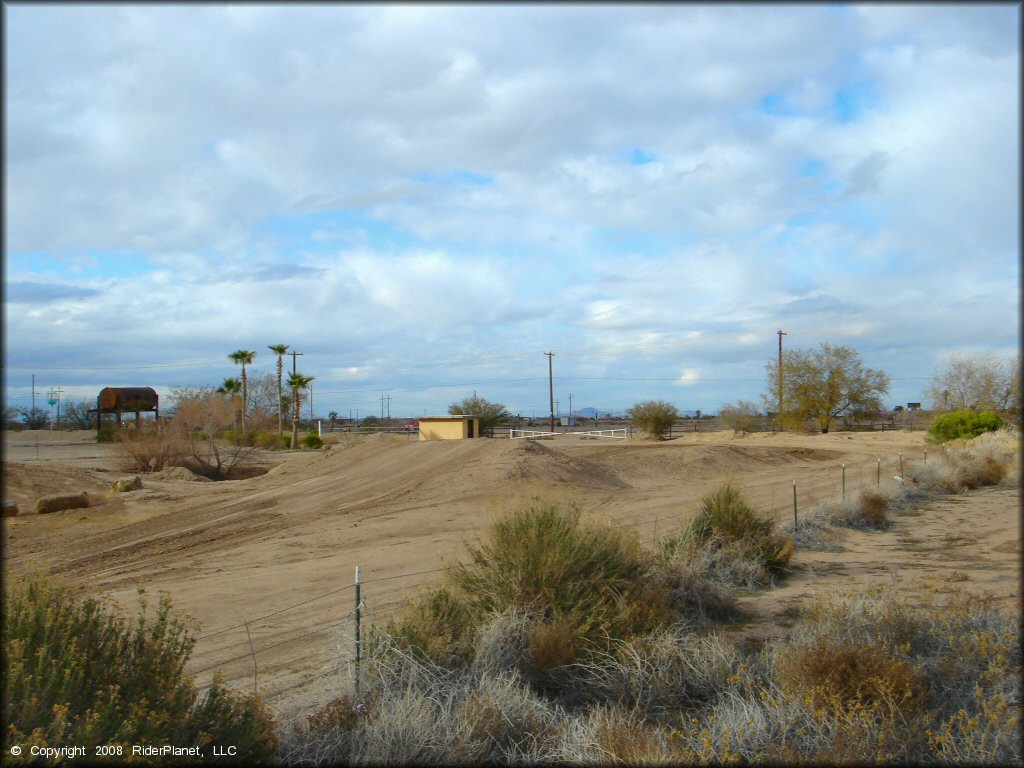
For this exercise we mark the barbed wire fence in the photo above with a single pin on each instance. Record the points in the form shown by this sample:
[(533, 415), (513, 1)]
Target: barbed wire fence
[(847, 478)]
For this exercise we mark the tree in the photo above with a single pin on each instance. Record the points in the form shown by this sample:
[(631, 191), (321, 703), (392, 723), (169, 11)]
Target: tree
[(279, 350), (232, 388), (655, 417), (75, 414), (826, 383), (978, 382), (243, 357), (35, 418), (489, 413), (297, 382)]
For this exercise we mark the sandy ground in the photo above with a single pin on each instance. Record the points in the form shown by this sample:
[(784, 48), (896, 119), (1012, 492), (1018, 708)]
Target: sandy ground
[(279, 551)]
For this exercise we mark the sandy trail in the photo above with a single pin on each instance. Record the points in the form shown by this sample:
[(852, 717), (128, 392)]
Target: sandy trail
[(241, 550)]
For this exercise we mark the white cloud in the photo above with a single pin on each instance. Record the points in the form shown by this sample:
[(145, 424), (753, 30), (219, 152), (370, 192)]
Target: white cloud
[(204, 138)]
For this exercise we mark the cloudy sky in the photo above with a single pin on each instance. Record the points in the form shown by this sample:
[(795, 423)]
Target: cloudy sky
[(424, 199)]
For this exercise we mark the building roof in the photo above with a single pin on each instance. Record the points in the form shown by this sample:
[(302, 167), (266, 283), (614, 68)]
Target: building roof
[(449, 417)]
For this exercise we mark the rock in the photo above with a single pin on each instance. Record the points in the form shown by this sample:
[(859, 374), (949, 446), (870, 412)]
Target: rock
[(10, 508), (60, 501), (125, 484)]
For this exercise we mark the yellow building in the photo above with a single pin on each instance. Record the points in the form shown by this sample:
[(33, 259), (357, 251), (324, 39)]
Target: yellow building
[(449, 427)]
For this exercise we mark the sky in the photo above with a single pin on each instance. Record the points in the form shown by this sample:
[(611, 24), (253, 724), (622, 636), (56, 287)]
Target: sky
[(424, 199)]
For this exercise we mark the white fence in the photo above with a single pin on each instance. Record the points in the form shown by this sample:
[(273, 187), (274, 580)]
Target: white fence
[(530, 434)]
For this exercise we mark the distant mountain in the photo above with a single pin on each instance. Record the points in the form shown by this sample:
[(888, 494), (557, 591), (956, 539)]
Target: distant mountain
[(590, 412)]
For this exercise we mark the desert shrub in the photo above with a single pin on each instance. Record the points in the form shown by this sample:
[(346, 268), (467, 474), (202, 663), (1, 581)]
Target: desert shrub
[(938, 476), (107, 433), (871, 510), (741, 417), (655, 417), (79, 672), (812, 531), (607, 736), (866, 510), (847, 672), (976, 471), (963, 425), (586, 584), (725, 514), (150, 449), (873, 677), (312, 441), (271, 441)]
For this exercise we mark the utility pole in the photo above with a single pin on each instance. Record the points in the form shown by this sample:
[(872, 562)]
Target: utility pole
[(33, 395), (551, 389), (293, 354), (311, 401), (570, 405), (781, 334)]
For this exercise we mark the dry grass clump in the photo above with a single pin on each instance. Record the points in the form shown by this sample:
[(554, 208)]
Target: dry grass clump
[(935, 477), (873, 678), (659, 673), (813, 532), (865, 511), (413, 712)]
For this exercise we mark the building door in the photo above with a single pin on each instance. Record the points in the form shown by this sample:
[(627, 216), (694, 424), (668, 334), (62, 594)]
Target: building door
[(469, 428)]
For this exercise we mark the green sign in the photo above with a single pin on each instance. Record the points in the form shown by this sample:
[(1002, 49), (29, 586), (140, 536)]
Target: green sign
[(52, 401)]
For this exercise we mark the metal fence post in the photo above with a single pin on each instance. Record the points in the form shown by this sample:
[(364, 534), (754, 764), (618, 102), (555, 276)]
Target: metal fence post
[(844, 482), (878, 473), (901, 464), (794, 507), (357, 630)]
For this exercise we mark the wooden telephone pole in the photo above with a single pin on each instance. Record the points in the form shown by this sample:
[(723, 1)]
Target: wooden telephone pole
[(781, 334)]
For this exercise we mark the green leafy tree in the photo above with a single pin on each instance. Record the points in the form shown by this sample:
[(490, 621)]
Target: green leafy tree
[(279, 350), (826, 383), (243, 357), (655, 417), (490, 414), (231, 388), (297, 382)]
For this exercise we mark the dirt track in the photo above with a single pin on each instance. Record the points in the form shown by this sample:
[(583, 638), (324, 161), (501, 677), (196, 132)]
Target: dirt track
[(236, 551)]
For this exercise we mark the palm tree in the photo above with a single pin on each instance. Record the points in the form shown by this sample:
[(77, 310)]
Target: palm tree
[(297, 382), (243, 357), (280, 350), (231, 387)]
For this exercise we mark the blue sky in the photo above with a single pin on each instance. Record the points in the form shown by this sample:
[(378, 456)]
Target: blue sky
[(424, 199)]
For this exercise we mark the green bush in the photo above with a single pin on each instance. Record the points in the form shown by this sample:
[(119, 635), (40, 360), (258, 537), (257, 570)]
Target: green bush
[(78, 672), (963, 425), (655, 417), (271, 441), (724, 513), (588, 584), (312, 441), (107, 433)]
